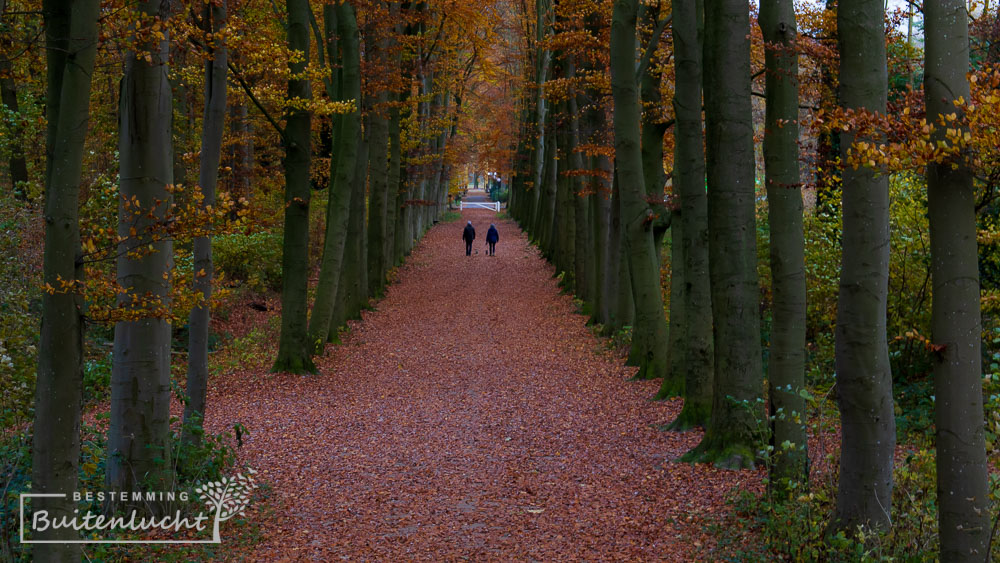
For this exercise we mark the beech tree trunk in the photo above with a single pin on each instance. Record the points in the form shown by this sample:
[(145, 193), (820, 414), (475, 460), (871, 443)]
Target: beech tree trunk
[(547, 197), (351, 292), (378, 197), (340, 24), (543, 62), (71, 47), (864, 382), (393, 187), (8, 96), (583, 263), (139, 453), (673, 381), (787, 367), (619, 283), (653, 128), (649, 334), (400, 231), (240, 156), (293, 345), (689, 184), (962, 473), (213, 124), (564, 216), (731, 439)]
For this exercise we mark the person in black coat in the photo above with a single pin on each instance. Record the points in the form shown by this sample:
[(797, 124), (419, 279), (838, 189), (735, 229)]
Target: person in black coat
[(492, 236), (468, 235)]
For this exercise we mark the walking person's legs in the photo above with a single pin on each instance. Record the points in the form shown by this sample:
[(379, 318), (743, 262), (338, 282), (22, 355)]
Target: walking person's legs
[(468, 248), (493, 247)]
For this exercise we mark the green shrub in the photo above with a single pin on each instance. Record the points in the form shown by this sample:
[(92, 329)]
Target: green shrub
[(15, 478), (20, 310), (97, 378), (253, 259)]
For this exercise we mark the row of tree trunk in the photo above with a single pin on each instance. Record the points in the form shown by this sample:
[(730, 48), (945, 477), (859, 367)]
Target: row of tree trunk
[(376, 210), (585, 212)]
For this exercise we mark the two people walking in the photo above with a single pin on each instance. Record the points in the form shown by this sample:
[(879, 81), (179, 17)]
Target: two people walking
[(469, 235)]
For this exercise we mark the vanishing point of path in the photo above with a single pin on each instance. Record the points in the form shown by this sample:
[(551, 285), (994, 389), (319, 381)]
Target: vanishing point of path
[(471, 416)]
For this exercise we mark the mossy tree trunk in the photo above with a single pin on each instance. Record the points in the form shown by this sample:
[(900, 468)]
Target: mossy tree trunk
[(342, 28), (649, 335), (294, 349), (689, 185), (731, 439)]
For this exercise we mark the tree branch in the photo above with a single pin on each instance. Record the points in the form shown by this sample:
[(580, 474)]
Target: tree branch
[(654, 41), (249, 92)]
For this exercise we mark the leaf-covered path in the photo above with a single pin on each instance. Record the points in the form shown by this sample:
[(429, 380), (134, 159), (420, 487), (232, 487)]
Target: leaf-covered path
[(471, 415)]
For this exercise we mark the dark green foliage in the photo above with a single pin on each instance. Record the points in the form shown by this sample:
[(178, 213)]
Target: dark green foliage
[(19, 317), (96, 378), (254, 259)]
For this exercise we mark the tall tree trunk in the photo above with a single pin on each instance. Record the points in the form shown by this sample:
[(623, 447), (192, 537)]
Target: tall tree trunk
[(240, 157), (673, 382), (351, 292), (339, 22), (213, 125), (401, 183), (864, 381), (8, 97), (583, 257), (439, 188), (377, 201), (956, 329), (56, 429), (139, 453), (605, 294), (183, 109), (619, 284), (393, 186), (649, 335), (544, 14), (564, 216), (547, 196), (653, 128), (828, 180), (731, 439), (293, 344), (689, 184), (786, 372)]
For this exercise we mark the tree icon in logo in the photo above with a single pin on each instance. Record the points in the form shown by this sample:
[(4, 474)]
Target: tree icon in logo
[(228, 497)]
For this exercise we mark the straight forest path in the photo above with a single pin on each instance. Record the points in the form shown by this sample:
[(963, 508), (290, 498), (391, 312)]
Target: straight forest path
[(472, 415)]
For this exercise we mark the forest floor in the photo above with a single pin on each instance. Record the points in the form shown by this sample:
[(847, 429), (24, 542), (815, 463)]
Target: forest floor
[(471, 415)]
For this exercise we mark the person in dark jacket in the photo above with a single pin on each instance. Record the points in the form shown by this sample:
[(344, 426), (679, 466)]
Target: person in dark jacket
[(469, 235), (492, 236)]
